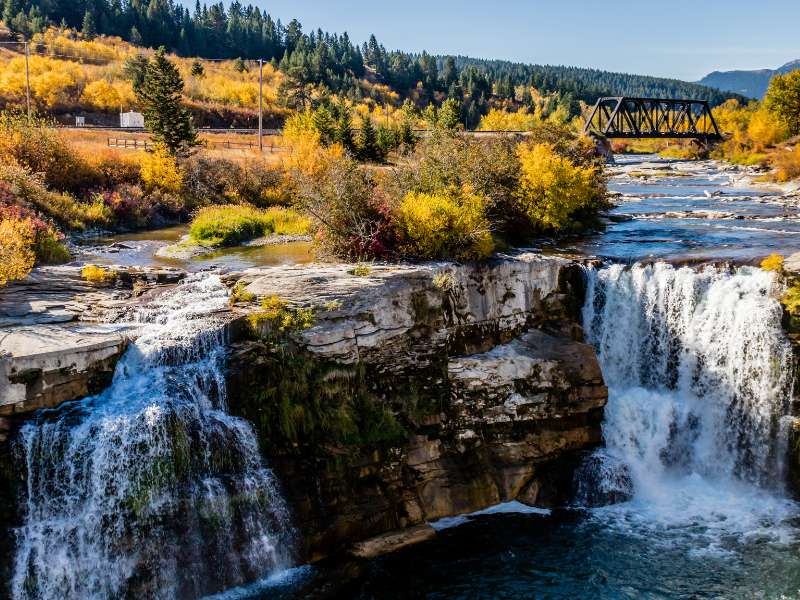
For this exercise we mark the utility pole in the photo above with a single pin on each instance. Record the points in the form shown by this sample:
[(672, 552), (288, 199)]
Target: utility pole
[(261, 105), (28, 81)]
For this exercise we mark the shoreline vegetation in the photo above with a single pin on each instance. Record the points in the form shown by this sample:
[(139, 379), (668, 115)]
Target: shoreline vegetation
[(353, 174)]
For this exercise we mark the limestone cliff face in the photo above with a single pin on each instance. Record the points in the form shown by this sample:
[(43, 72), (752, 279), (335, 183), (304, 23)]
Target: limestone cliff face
[(420, 392), (56, 340)]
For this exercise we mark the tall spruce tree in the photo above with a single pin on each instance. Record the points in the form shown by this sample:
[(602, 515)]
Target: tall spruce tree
[(344, 129), (165, 116), (367, 143), (324, 124), (89, 27)]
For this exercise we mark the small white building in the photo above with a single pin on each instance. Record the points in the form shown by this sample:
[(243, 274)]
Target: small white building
[(131, 119), (80, 121)]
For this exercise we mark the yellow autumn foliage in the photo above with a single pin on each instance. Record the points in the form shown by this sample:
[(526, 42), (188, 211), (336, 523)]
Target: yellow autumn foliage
[(445, 224), (774, 262), (17, 254), (551, 187), (104, 95), (160, 170), (502, 120), (765, 130), (305, 152)]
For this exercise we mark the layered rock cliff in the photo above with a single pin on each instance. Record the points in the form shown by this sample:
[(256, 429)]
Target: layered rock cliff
[(419, 393), (416, 393)]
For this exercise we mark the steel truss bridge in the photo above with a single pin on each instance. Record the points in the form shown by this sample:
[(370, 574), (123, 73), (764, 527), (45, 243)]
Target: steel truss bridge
[(625, 117)]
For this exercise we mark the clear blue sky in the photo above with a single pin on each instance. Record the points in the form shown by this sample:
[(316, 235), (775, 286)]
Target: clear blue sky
[(673, 38)]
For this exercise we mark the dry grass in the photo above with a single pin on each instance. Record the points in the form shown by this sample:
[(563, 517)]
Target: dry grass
[(91, 142)]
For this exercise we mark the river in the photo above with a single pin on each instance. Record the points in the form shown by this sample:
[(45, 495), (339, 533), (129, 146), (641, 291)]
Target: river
[(699, 380)]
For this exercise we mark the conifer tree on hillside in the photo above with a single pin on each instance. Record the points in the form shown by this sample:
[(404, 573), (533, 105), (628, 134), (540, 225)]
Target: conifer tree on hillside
[(89, 27), (165, 116), (344, 129), (367, 140), (324, 124)]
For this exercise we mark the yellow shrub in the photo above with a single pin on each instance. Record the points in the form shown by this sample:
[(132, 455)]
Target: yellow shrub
[(17, 255), (102, 95), (765, 130), (774, 262), (445, 225), (787, 164), (551, 187), (501, 120), (159, 170), (305, 154), (98, 275)]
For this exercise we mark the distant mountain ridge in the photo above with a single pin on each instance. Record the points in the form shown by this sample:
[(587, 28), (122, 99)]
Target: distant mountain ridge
[(752, 84)]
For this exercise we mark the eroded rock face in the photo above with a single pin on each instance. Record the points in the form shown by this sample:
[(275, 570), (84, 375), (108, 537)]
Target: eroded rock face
[(56, 340), (44, 365), (420, 392)]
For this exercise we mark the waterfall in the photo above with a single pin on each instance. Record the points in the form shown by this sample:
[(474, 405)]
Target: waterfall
[(700, 376), (150, 489)]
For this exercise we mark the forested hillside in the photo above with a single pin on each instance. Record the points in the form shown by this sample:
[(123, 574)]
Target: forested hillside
[(316, 60)]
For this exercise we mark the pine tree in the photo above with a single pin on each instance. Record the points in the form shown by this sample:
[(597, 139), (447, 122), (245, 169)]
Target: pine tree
[(135, 37), (344, 129), (165, 116), (367, 140), (89, 27), (197, 69), (135, 68), (406, 136), (324, 124), (10, 10), (386, 141), (449, 115)]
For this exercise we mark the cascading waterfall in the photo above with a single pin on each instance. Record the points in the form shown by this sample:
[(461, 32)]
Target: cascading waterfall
[(150, 489), (699, 375)]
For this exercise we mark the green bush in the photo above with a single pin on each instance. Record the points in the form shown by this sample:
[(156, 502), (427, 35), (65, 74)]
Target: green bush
[(228, 225)]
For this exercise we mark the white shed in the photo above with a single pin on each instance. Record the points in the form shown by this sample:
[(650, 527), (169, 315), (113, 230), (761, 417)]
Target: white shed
[(131, 119)]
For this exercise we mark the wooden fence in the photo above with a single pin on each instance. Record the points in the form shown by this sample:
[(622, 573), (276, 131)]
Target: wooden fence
[(269, 144)]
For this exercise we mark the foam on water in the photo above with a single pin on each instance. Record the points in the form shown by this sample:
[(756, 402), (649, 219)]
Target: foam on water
[(150, 489), (699, 374)]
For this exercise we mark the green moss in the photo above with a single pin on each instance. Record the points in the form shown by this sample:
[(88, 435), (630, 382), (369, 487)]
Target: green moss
[(277, 316), (240, 293), (297, 400)]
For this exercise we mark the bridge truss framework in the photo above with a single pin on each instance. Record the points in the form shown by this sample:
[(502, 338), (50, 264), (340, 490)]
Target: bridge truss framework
[(626, 117)]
